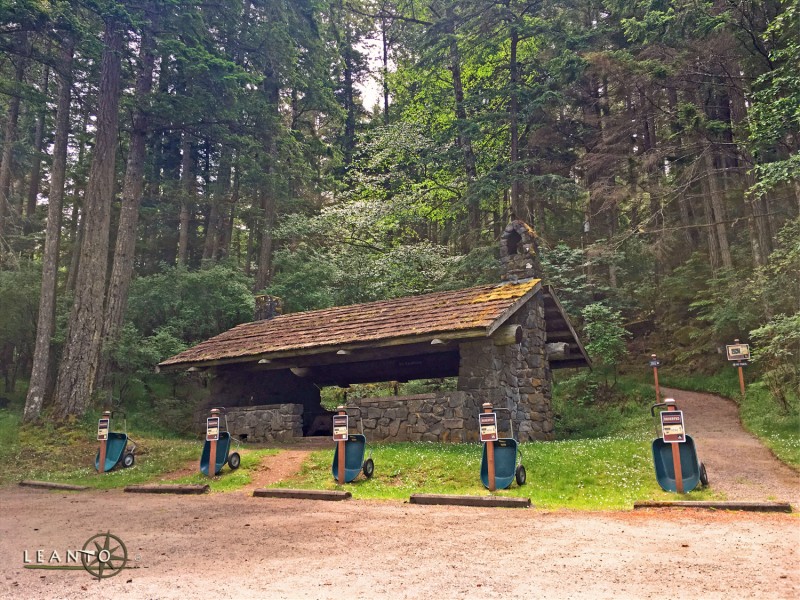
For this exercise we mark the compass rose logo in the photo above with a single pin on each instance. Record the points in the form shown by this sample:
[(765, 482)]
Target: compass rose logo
[(104, 555)]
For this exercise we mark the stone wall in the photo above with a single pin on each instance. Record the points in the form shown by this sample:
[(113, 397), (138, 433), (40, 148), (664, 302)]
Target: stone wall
[(266, 423), (234, 386), (444, 417), (515, 377)]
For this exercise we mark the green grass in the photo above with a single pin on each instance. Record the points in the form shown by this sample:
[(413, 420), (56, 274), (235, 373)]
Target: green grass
[(777, 427), (603, 462), (599, 474)]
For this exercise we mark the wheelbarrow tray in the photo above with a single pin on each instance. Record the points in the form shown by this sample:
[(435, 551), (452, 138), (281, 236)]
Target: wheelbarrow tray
[(354, 449), (223, 445), (665, 469), (115, 448), (505, 463)]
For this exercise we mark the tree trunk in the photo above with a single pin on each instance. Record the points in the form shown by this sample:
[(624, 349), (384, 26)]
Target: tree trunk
[(33, 187), (385, 72), (218, 202), (39, 383), (463, 140), (513, 125), (264, 273), (124, 250), (186, 194), (78, 368), (717, 206), (9, 139)]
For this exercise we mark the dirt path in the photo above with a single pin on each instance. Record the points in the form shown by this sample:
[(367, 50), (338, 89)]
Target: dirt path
[(273, 469), (738, 465)]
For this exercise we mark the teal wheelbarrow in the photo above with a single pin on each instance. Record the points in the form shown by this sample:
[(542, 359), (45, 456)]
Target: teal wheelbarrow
[(355, 448), (118, 451), (223, 454), (507, 460), (693, 471)]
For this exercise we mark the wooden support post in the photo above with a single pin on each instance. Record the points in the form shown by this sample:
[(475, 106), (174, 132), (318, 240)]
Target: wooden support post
[(654, 362), (212, 446), (741, 370), (341, 449), (741, 380), (487, 408), (101, 467), (676, 459)]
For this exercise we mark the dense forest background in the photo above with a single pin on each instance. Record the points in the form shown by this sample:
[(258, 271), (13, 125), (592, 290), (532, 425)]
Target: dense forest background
[(163, 161)]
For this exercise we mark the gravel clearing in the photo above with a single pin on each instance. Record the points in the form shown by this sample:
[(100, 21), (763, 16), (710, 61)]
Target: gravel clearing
[(235, 546)]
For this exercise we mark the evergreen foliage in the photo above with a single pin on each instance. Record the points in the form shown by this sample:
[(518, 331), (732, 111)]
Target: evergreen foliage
[(653, 148)]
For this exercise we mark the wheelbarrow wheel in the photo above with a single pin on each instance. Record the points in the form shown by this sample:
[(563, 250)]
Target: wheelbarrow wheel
[(703, 475), (521, 475), (234, 460), (128, 460), (368, 468)]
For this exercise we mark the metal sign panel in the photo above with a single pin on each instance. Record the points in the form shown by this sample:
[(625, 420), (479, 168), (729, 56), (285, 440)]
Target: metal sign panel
[(738, 352), (488, 424), (672, 430), (341, 425), (740, 363), (655, 363), (212, 429), (102, 429)]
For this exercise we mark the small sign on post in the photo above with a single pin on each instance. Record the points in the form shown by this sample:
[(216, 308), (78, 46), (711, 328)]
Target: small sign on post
[(655, 363), (341, 426), (488, 420), (212, 429), (488, 423), (739, 354), (737, 351), (103, 426), (102, 429), (212, 435), (672, 430)]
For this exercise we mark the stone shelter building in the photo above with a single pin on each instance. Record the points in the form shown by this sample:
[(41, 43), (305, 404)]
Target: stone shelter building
[(500, 340)]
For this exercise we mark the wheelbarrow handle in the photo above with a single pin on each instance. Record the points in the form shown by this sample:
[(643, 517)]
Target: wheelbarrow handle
[(654, 407)]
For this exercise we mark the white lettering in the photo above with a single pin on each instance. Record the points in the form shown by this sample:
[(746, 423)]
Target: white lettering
[(25, 558), (72, 556), (55, 557), (39, 556)]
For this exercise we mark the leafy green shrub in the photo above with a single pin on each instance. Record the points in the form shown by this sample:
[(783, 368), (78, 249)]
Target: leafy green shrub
[(605, 335)]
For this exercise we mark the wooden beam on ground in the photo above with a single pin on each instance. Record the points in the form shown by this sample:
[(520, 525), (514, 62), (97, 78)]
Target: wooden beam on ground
[(718, 505), (485, 501), (302, 494), (168, 489), (52, 485)]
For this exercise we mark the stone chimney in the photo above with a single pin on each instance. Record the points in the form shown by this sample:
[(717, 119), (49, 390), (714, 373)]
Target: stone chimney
[(267, 307), (519, 252)]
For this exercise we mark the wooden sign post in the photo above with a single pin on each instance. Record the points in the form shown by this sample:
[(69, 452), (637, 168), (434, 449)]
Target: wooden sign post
[(676, 450), (739, 354), (340, 435), (103, 427), (212, 435), (655, 363), (488, 425)]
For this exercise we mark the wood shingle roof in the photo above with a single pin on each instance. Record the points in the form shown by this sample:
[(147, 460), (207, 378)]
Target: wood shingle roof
[(481, 309)]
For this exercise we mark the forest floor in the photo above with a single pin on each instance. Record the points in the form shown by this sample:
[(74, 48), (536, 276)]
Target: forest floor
[(232, 545)]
